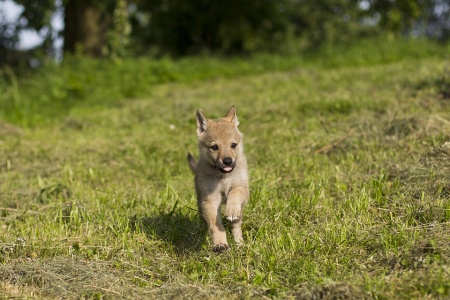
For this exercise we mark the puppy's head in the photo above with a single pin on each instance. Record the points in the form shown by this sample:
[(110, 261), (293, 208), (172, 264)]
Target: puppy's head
[(220, 141)]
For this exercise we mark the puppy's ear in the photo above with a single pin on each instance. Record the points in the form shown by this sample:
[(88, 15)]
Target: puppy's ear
[(202, 122), (231, 115)]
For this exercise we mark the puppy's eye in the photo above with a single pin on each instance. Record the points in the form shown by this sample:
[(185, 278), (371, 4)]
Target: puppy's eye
[(233, 145), (214, 147)]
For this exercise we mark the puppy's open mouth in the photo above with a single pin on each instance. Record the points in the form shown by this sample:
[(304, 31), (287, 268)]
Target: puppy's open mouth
[(224, 168)]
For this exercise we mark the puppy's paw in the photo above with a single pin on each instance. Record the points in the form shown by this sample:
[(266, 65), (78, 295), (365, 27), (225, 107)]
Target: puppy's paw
[(220, 248), (233, 212)]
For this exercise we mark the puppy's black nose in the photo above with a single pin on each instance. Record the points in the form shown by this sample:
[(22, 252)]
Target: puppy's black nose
[(227, 161)]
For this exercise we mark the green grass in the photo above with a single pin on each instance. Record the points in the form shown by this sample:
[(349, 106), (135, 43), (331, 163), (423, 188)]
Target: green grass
[(50, 93), (350, 194)]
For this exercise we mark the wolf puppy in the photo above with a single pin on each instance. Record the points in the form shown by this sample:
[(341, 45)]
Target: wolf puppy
[(220, 176)]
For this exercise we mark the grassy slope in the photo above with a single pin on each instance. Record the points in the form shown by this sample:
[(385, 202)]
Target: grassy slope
[(349, 179)]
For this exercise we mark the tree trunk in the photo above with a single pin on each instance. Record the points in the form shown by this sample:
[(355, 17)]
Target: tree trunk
[(85, 28)]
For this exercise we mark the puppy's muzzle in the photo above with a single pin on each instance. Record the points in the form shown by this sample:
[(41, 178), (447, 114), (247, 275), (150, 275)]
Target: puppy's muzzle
[(227, 165)]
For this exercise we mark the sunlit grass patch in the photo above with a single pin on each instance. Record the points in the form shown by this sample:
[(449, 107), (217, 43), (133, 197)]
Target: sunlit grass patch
[(349, 190)]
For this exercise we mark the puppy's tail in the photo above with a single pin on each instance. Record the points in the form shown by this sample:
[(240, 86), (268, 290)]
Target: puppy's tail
[(192, 162)]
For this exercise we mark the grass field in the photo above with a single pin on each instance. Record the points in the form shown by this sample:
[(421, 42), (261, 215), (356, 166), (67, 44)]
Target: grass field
[(349, 165)]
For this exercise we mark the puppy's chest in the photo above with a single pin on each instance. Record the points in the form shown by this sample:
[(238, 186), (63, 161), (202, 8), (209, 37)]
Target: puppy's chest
[(224, 185), (220, 186)]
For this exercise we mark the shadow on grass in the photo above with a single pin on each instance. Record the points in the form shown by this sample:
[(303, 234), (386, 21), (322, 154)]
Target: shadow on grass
[(182, 231)]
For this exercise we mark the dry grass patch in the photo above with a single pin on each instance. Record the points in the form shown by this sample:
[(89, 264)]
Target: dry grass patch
[(64, 277)]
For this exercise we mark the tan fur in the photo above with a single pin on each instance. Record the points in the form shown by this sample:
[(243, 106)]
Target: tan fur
[(221, 149)]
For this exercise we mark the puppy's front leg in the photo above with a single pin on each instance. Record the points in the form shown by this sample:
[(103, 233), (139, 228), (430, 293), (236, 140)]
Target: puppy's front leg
[(210, 209), (236, 200), (236, 231)]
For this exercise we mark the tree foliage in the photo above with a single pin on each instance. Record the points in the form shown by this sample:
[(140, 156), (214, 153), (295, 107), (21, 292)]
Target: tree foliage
[(186, 27), (397, 15), (178, 27)]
